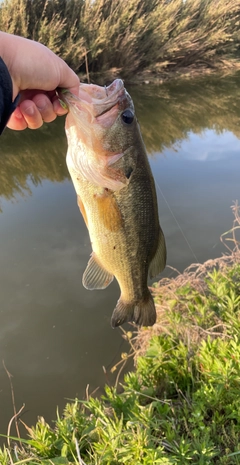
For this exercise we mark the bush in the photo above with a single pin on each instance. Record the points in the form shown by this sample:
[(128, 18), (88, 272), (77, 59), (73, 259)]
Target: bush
[(126, 38)]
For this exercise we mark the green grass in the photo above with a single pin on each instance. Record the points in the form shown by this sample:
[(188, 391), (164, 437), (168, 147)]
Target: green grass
[(125, 38), (181, 404)]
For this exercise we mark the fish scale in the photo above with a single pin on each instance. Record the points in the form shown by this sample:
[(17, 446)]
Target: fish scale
[(116, 194)]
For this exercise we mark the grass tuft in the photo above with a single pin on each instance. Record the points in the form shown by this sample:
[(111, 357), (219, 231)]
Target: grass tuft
[(181, 404)]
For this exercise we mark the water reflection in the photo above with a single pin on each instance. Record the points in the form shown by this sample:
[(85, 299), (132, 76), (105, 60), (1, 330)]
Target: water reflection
[(54, 334), (32, 156), (168, 114), (211, 147)]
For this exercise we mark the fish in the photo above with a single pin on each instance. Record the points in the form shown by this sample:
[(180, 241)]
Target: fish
[(116, 194)]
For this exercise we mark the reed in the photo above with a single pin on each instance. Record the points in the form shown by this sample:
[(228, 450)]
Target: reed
[(129, 38)]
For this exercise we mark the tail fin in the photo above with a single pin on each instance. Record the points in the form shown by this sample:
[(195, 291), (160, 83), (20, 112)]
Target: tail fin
[(143, 313)]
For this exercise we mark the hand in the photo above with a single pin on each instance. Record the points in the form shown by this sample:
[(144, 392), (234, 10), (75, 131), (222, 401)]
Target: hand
[(36, 72)]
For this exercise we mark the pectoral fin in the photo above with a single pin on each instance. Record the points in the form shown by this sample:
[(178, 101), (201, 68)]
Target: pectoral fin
[(95, 276), (158, 262)]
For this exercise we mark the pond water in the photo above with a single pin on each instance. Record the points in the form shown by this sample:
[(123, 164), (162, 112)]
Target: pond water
[(55, 336)]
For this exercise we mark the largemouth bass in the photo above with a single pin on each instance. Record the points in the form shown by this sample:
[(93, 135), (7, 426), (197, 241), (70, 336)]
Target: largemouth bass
[(116, 194)]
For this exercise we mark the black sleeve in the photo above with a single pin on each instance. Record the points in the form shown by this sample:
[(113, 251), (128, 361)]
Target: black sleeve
[(6, 104)]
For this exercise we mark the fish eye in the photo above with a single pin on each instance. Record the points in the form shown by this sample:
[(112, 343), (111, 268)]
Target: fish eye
[(127, 116)]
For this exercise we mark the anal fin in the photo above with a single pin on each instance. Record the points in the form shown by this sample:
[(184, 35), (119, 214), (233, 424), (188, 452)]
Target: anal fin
[(95, 276), (158, 262)]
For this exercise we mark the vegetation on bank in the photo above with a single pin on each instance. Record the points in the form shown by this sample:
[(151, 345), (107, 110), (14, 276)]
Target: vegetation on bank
[(113, 37), (181, 404)]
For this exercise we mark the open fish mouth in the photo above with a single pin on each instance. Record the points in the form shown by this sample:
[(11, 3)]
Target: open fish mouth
[(95, 100)]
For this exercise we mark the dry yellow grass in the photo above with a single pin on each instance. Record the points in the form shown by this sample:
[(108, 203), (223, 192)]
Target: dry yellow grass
[(129, 37), (166, 293)]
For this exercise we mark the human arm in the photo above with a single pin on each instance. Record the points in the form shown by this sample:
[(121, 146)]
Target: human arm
[(36, 72)]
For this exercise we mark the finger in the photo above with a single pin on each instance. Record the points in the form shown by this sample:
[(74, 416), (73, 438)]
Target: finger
[(28, 94), (17, 121), (31, 114), (68, 79), (45, 107)]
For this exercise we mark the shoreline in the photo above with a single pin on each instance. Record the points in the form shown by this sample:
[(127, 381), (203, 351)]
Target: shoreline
[(148, 77)]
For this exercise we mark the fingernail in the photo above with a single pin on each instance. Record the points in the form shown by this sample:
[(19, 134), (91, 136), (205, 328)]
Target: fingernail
[(29, 111), (18, 114), (41, 107)]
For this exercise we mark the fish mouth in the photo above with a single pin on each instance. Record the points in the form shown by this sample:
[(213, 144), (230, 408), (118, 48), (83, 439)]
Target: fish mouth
[(96, 101)]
